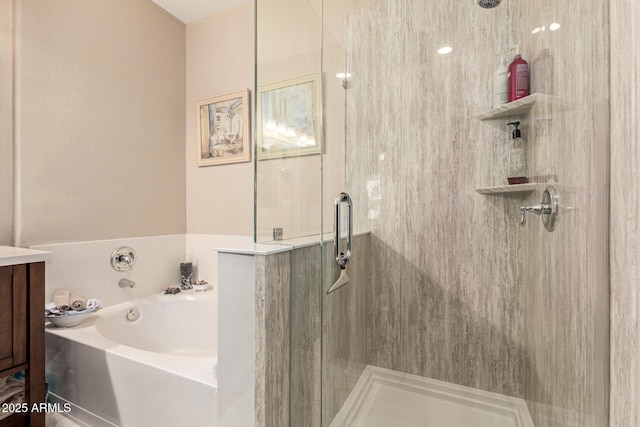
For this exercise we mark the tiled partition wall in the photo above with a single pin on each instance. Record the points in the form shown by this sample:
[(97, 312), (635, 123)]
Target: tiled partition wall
[(305, 336), (273, 329), (289, 295), (343, 329), (446, 297), (344, 325)]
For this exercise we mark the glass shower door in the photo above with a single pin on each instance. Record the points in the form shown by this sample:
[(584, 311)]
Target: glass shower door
[(443, 281), (291, 143), (345, 268)]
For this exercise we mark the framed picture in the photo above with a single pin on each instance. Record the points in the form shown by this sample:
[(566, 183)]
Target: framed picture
[(222, 129), (289, 118)]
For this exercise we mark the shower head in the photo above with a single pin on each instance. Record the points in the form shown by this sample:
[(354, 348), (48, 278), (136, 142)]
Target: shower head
[(488, 4)]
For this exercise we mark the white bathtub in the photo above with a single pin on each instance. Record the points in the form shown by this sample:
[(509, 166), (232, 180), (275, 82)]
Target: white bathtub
[(155, 371)]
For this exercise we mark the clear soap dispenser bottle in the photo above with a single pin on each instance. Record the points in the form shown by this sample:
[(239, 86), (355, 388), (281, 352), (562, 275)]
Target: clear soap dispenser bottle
[(517, 169)]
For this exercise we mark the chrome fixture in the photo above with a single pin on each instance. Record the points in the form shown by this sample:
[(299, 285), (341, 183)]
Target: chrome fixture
[(342, 259), (133, 314), (547, 209), (126, 283), (123, 259), (278, 233)]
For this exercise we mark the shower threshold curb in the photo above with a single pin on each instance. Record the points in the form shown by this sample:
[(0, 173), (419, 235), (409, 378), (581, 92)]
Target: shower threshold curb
[(382, 395)]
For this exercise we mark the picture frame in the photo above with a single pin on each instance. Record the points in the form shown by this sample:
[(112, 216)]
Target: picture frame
[(289, 118), (222, 129)]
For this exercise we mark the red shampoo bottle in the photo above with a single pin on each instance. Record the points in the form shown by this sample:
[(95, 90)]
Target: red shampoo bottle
[(518, 78)]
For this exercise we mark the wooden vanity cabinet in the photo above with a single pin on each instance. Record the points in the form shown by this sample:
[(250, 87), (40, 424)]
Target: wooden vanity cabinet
[(22, 335)]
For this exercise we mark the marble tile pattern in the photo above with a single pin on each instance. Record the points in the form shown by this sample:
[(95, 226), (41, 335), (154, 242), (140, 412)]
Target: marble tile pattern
[(625, 212), (345, 325), (291, 293), (456, 290), (566, 273), (306, 334), (459, 292), (446, 296), (273, 279)]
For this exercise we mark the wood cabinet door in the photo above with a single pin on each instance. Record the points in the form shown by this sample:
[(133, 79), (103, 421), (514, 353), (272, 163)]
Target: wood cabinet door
[(13, 316), (6, 317), (20, 314)]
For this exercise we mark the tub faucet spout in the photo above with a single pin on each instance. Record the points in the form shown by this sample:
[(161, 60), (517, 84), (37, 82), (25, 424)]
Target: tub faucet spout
[(126, 283)]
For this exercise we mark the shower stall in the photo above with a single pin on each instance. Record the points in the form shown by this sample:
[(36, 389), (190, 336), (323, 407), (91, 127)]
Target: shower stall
[(445, 286)]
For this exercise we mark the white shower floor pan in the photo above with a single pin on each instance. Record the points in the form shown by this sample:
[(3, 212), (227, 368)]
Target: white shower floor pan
[(384, 398)]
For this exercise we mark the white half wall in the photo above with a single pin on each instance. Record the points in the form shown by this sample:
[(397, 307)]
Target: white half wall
[(236, 340), (200, 250), (85, 267)]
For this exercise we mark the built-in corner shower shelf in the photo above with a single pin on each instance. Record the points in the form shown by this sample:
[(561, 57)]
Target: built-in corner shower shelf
[(515, 108), (503, 189)]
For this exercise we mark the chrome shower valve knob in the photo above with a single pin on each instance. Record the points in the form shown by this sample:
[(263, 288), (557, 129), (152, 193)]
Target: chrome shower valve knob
[(536, 209), (547, 209), (123, 259)]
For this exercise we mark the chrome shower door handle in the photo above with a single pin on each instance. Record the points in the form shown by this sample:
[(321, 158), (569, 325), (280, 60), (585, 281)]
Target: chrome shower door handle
[(343, 258)]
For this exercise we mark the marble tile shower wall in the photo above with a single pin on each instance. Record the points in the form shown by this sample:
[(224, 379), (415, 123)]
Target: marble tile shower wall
[(345, 325), (290, 288), (272, 337), (566, 277), (459, 292), (446, 296), (625, 212), (306, 347)]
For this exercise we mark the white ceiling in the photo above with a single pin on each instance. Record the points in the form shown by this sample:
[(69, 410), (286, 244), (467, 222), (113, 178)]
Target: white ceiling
[(192, 10)]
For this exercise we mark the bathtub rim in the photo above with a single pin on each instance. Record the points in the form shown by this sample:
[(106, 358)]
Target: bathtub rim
[(195, 368)]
